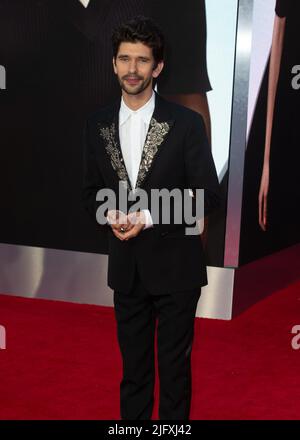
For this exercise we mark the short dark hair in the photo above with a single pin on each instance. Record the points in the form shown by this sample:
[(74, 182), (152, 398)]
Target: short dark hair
[(140, 29)]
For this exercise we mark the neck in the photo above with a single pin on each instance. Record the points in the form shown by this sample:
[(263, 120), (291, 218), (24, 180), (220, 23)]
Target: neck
[(134, 102)]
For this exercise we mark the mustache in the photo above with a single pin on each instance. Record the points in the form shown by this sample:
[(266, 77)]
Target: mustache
[(132, 77)]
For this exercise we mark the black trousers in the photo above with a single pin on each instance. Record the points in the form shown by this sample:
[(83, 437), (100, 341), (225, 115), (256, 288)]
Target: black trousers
[(136, 315)]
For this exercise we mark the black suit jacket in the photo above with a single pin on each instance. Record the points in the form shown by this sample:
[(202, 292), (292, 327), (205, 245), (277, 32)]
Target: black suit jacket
[(176, 155)]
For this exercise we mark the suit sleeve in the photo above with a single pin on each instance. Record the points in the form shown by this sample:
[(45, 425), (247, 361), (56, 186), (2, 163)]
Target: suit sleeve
[(184, 27), (199, 164), (92, 179)]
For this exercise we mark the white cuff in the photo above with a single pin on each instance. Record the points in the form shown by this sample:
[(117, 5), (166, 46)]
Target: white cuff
[(148, 219)]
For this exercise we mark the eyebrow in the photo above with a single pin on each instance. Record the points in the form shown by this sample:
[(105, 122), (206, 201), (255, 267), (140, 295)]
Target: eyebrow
[(141, 57)]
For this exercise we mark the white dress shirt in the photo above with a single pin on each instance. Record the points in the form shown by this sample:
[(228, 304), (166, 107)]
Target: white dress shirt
[(85, 3), (133, 128)]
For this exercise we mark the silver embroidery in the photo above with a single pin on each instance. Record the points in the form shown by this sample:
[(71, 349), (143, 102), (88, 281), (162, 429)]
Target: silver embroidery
[(111, 146), (155, 137)]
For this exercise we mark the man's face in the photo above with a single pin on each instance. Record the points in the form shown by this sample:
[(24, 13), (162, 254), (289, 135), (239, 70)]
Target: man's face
[(134, 67)]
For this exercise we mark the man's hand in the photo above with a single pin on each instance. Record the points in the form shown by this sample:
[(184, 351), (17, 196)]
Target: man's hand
[(125, 226), (118, 222)]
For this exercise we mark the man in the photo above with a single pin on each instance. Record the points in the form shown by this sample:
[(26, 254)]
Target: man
[(63, 66), (155, 269)]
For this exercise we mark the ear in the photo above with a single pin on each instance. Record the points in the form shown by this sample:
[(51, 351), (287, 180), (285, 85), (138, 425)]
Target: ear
[(158, 69), (114, 65)]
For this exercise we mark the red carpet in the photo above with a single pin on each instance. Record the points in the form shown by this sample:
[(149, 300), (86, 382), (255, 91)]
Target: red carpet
[(62, 361)]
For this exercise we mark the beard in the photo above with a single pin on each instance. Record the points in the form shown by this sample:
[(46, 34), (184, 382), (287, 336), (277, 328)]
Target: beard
[(134, 89)]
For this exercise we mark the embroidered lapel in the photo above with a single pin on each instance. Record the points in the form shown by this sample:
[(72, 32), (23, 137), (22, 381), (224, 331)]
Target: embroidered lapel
[(110, 136), (159, 128), (155, 137)]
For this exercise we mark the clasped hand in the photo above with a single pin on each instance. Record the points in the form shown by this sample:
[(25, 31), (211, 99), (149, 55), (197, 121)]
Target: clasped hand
[(125, 226)]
